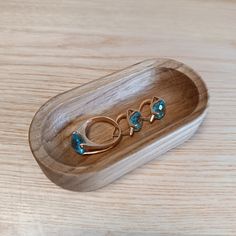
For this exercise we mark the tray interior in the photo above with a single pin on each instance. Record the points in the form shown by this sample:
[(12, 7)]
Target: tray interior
[(179, 92)]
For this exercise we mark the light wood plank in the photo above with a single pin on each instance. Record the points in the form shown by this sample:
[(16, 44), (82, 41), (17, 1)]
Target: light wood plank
[(47, 47)]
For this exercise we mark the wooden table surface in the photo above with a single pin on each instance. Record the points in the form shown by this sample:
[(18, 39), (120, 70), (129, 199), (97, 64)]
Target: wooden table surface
[(47, 47)]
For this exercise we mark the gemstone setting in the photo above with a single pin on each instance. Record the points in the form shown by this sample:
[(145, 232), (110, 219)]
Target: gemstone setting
[(158, 108), (135, 120), (76, 141)]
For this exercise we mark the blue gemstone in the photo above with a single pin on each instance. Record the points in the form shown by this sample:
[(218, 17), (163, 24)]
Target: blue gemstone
[(135, 120), (76, 140), (159, 109)]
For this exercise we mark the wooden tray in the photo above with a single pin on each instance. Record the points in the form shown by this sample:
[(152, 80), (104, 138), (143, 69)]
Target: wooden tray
[(50, 133)]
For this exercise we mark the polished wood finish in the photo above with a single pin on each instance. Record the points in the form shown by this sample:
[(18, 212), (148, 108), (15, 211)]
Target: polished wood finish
[(49, 47), (50, 132)]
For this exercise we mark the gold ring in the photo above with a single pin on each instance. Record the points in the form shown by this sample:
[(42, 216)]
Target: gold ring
[(157, 108), (134, 120), (83, 145)]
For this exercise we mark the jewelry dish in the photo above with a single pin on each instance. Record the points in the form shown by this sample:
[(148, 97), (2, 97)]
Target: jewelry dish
[(50, 132)]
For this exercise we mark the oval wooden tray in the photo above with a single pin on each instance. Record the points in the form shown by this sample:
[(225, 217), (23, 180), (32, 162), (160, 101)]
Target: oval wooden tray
[(50, 132)]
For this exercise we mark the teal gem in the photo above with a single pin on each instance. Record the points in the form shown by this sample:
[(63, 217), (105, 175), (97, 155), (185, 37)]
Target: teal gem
[(76, 140), (159, 109), (135, 120)]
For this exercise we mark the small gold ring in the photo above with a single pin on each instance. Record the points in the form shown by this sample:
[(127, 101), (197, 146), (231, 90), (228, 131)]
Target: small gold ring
[(157, 108), (134, 120)]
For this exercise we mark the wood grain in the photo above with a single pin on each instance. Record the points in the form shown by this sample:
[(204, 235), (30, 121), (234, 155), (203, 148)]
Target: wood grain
[(50, 132), (48, 47)]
